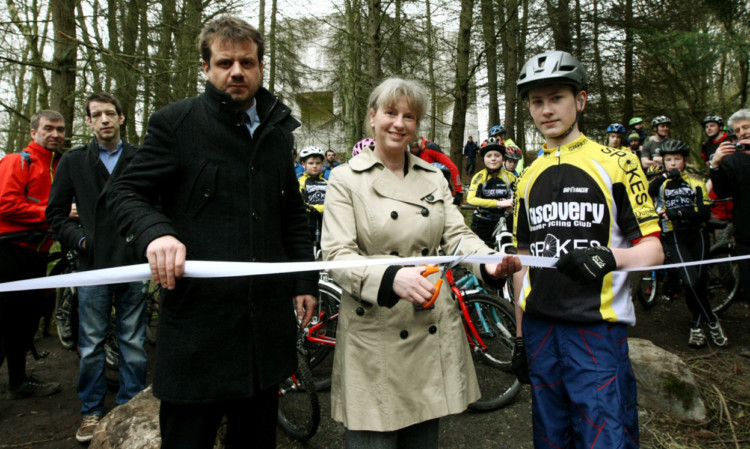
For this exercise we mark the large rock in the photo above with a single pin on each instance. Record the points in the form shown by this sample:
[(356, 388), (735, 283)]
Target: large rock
[(665, 383), (134, 425)]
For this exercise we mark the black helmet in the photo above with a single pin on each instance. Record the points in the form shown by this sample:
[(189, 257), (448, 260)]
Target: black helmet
[(660, 120), (715, 119), (552, 67), (673, 146), (492, 144)]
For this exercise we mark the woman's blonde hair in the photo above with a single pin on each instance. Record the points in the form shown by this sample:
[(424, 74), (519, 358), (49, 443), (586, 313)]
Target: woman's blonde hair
[(391, 90)]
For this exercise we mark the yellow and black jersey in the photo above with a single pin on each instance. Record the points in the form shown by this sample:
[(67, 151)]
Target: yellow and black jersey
[(313, 189), (487, 188), (682, 195), (579, 195)]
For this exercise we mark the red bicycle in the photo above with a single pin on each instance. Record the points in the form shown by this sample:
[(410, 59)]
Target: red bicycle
[(489, 325)]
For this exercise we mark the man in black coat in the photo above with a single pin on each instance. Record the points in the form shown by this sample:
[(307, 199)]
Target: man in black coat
[(82, 175), (219, 166)]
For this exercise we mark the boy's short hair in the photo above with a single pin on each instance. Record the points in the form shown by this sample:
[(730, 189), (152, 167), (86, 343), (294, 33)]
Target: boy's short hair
[(103, 97)]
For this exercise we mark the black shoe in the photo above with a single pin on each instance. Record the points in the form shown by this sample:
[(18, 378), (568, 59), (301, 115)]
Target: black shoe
[(31, 387)]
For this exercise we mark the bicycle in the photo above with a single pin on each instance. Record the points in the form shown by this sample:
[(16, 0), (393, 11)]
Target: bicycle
[(489, 326), (723, 278), (504, 244), (299, 407)]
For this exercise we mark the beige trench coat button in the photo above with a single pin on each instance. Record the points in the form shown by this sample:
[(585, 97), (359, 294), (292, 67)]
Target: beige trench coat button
[(404, 333)]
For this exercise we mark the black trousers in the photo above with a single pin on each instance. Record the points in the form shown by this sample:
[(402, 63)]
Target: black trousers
[(689, 246), (251, 422), (20, 311)]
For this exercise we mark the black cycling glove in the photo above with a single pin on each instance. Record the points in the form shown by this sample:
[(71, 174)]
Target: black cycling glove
[(519, 364), (588, 265), (458, 198)]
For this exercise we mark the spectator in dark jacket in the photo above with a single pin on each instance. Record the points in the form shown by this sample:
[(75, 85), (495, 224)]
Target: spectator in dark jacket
[(470, 153), (83, 174), (220, 166)]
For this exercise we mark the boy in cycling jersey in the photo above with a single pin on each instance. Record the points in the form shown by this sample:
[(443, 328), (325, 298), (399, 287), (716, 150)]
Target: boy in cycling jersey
[(682, 203), (616, 136), (313, 186), (490, 190), (588, 205)]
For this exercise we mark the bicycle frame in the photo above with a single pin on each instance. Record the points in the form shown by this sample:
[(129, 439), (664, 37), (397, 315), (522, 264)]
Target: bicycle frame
[(313, 333)]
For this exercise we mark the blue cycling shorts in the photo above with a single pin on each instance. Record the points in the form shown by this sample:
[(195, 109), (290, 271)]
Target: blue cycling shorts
[(582, 383)]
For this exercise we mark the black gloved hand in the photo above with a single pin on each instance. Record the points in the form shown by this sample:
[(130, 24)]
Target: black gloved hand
[(458, 198), (519, 364), (674, 214), (588, 265), (674, 173)]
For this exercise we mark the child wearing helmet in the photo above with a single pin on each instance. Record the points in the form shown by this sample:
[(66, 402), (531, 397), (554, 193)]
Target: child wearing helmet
[(511, 158), (587, 205), (636, 125), (490, 190), (650, 153), (616, 136), (682, 203), (312, 185)]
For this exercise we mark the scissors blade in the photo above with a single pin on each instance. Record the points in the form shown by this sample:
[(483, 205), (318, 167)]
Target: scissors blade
[(455, 253)]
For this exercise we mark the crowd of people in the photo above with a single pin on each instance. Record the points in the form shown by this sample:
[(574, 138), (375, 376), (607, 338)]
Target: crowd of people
[(214, 180)]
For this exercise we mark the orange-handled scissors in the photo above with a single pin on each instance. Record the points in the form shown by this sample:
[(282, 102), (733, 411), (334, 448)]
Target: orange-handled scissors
[(430, 269)]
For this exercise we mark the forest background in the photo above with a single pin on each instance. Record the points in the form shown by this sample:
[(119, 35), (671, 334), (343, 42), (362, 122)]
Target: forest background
[(682, 58)]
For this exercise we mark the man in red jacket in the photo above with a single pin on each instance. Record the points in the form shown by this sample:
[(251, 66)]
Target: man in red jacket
[(25, 180)]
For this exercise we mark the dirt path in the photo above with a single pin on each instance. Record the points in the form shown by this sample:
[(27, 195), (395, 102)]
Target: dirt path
[(50, 423)]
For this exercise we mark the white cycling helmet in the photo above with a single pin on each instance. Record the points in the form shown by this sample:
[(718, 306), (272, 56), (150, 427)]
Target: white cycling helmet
[(311, 151)]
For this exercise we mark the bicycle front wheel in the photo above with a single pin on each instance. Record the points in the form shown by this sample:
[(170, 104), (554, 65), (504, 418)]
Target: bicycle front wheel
[(328, 305), (643, 285), (723, 278), (492, 350), (299, 409)]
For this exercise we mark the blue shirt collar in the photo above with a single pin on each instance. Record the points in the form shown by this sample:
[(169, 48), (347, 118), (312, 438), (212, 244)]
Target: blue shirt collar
[(254, 121)]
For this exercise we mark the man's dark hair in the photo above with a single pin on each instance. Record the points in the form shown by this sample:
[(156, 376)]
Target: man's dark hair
[(103, 97), (228, 29), (49, 114), (330, 151)]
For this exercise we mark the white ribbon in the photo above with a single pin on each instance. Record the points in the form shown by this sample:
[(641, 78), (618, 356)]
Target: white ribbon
[(210, 269)]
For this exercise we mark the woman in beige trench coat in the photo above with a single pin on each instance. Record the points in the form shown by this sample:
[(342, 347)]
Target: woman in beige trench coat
[(397, 366)]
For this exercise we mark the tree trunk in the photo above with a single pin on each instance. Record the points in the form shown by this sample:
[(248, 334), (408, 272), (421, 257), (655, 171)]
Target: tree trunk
[(603, 92), (490, 49), (64, 63), (431, 54), (461, 91), (628, 106), (520, 104), (272, 48), (559, 22), (510, 52), (374, 66)]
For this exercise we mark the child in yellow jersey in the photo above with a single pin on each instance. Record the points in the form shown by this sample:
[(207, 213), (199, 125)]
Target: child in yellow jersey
[(313, 186), (616, 136), (588, 205), (682, 203), (490, 191)]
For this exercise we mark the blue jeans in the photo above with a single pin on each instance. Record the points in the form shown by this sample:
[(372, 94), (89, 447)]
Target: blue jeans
[(95, 308)]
